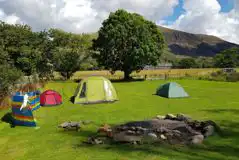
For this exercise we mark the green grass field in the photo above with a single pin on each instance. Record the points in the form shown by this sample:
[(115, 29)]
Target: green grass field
[(216, 101)]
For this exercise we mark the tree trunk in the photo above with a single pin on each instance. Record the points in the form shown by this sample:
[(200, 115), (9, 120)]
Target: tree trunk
[(68, 75), (127, 75)]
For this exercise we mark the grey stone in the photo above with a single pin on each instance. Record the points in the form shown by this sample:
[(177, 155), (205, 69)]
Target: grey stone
[(198, 139), (70, 126), (209, 130)]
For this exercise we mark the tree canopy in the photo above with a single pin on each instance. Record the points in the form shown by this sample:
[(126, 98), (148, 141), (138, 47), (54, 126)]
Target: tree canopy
[(227, 59), (187, 63), (27, 53), (128, 42)]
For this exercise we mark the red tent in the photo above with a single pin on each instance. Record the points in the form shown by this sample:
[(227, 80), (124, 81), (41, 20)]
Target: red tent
[(50, 98)]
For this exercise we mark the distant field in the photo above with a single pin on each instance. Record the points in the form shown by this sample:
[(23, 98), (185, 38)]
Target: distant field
[(149, 73)]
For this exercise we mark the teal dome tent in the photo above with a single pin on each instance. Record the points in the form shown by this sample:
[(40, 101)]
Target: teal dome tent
[(171, 90)]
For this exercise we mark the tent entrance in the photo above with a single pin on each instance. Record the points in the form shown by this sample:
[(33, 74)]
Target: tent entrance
[(95, 92)]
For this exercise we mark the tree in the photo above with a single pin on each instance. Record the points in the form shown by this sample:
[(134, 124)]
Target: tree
[(74, 49), (128, 42), (187, 63), (18, 42), (8, 76), (67, 61), (227, 59), (44, 65), (204, 62)]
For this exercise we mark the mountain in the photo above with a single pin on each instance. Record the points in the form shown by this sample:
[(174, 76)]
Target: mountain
[(188, 44)]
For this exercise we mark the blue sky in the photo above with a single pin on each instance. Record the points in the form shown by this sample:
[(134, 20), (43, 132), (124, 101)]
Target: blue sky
[(226, 6)]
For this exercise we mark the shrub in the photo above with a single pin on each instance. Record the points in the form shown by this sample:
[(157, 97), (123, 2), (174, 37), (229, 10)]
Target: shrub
[(233, 77)]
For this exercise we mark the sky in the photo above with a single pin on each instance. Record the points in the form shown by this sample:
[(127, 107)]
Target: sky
[(213, 17)]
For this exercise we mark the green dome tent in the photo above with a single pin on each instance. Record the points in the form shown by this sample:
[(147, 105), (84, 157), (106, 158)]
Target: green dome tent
[(95, 90), (171, 90)]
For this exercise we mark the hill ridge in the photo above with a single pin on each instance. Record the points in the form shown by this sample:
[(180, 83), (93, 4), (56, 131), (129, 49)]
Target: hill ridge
[(190, 44)]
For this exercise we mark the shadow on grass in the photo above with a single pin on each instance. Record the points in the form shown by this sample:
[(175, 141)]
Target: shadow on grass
[(165, 150), (234, 111), (156, 95), (126, 81), (230, 129), (80, 133), (72, 99), (77, 80), (7, 118)]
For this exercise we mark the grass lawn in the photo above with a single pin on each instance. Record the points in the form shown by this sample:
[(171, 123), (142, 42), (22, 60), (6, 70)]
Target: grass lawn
[(216, 101)]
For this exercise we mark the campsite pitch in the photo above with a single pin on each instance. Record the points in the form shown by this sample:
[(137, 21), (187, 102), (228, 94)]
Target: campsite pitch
[(217, 101)]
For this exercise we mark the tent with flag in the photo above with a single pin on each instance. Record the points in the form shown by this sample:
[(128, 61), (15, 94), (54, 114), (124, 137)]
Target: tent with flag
[(171, 90), (95, 90)]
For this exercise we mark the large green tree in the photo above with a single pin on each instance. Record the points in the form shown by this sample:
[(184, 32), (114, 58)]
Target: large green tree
[(227, 59), (128, 42)]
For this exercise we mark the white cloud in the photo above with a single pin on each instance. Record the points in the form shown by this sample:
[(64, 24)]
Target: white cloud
[(204, 16), (11, 19), (80, 15), (201, 16)]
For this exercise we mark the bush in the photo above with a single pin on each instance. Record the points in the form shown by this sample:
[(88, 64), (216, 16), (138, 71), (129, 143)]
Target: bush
[(233, 77), (218, 76), (222, 76)]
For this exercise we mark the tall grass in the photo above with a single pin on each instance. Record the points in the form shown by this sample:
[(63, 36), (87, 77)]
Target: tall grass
[(148, 73)]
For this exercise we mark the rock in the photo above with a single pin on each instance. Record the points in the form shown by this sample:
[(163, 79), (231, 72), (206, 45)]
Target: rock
[(198, 139), (170, 116), (129, 132), (93, 140), (70, 126), (150, 138), (160, 117), (138, 128), (105, 128), (138, 132), (123, 137), (209, 130), (153, 136), (73, 124), (98, 141), (182, 117), (63, 125), (133, 128), (134, 142), (163, 137)]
